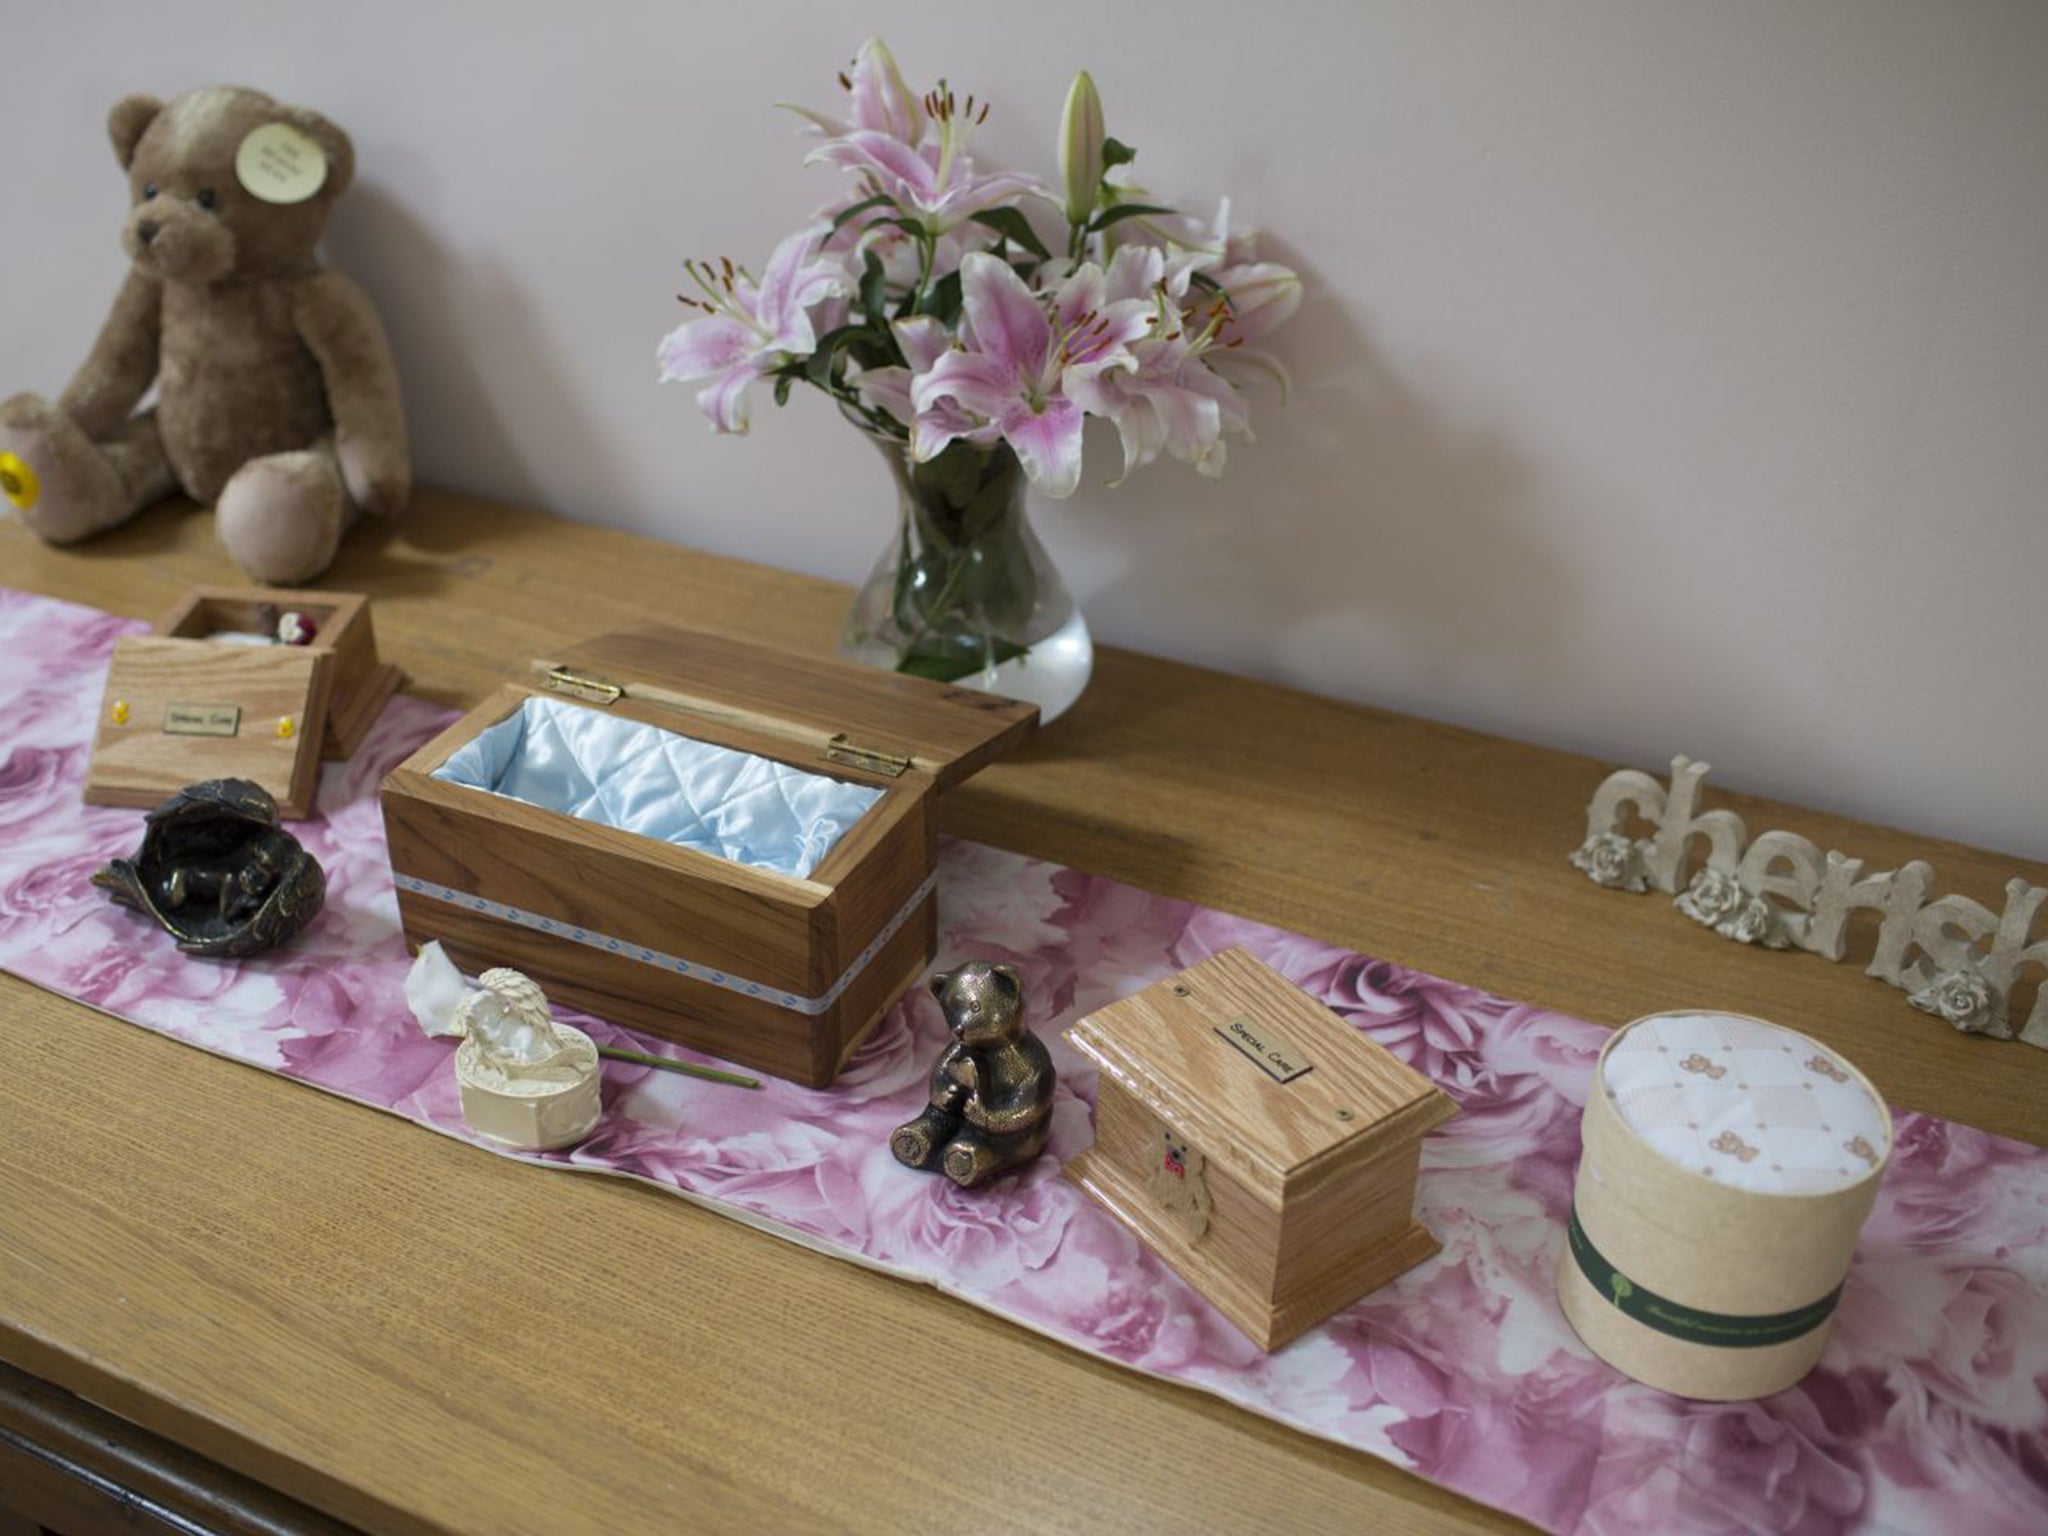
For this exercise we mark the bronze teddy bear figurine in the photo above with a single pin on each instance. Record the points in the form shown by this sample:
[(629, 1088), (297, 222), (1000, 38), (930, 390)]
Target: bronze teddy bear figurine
[(991, 1092)]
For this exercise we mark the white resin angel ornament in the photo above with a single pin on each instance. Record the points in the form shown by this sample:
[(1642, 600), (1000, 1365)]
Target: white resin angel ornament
[(526, 1080)]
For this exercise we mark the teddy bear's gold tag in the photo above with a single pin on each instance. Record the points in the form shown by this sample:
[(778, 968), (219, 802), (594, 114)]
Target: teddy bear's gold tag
[(280, 164)]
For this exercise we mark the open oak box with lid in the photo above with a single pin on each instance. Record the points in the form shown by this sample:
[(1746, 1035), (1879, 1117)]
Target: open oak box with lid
[(188, 702), (1257, 1143), (783, 970)]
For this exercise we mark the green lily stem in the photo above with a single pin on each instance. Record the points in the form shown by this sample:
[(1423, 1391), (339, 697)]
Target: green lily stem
[(878, 421), (937, 606), (927, 255), (709, 1074)]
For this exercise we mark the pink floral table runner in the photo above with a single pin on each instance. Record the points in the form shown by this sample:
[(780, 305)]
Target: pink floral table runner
[(1929, 1411)]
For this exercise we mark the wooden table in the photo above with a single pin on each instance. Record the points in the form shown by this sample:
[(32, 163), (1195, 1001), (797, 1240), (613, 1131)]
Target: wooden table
[(289, 1294)]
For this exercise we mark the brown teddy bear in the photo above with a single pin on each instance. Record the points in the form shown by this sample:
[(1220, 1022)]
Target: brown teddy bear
[(278, 402), (991, 1091)]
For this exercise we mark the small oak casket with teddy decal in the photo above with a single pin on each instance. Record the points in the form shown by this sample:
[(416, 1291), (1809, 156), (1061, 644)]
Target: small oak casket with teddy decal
[(729, 846), (1257, 1142)]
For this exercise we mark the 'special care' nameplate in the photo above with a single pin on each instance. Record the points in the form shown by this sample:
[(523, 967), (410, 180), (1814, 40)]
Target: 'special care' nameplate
[(202, 720), (1273, 1054)]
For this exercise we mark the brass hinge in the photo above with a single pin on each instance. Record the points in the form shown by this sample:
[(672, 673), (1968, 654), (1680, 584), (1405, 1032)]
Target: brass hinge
[(842, 750), (579, 686)]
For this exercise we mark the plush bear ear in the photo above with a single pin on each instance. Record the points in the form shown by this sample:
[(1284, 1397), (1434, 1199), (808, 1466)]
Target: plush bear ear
[(127, 123), (340, 152), (937, 985), (1006, 980)]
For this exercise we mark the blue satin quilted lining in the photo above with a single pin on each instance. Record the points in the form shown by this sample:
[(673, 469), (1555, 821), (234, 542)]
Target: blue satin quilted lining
[(638, 778)]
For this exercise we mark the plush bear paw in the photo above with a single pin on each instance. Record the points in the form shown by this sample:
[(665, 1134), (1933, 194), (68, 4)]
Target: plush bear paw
[(378, 478), (55, 476), (282, 517)]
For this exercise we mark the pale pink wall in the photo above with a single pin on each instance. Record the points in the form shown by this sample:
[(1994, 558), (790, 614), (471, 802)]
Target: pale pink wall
[(1673, 377)]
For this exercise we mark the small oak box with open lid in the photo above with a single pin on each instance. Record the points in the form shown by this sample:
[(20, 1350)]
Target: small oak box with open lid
[(725, 845), (210, 695), (363, 683), (1258, 1143)]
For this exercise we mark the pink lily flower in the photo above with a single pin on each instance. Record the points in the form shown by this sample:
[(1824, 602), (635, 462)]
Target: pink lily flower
[(747, 330), (1009, 380), (882, 103), (1262, 294), (932, 184), (1169, 400), (923, 341)]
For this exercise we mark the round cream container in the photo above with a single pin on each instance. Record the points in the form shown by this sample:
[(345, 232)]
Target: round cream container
[(1728, 1167)]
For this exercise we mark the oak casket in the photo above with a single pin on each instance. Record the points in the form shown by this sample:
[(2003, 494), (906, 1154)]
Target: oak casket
[(728, 846), (1258, 1143)]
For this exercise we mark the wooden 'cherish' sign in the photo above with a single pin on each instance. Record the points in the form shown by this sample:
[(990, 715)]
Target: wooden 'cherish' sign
[(1956, 958)]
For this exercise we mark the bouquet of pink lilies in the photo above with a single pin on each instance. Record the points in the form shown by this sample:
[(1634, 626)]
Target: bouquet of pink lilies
[(941, 305)]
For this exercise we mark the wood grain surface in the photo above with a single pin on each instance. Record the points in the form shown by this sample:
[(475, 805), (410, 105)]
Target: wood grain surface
[(948, 732), (275, 698), (1311, 1179), (1167, 1044), (344, 628), (322, 1298)]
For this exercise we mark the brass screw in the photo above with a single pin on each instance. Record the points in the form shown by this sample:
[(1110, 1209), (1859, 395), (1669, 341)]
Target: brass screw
[(1345, 1114), (1179, 990)]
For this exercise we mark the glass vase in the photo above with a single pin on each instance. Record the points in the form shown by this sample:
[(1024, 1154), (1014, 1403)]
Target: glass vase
[(965, 592)]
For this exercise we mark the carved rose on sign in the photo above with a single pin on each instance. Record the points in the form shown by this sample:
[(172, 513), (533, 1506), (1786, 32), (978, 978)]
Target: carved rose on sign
[(1755, 923), (1964, 999), (1713, 897), (1717, 900), (1614, 861)]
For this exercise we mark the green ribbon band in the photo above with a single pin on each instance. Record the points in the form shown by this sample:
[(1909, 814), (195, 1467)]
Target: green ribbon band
[(1689, 1323)]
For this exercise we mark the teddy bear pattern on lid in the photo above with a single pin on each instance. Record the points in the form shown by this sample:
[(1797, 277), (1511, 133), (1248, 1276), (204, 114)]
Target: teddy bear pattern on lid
[(1748, 1104)]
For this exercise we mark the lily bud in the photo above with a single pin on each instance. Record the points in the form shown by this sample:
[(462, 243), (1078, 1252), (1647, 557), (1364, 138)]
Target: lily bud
[(1081, 149)]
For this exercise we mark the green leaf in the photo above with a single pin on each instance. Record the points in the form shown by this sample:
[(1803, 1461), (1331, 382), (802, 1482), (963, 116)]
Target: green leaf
[(999, 587), (1011, 224), (874, 291), (950, 667), (987, 507), (1115, 153), (954, 474), (943, 302), (1205, 282), (782, 383), (819, 367), (846, 216), (1121, 212)]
